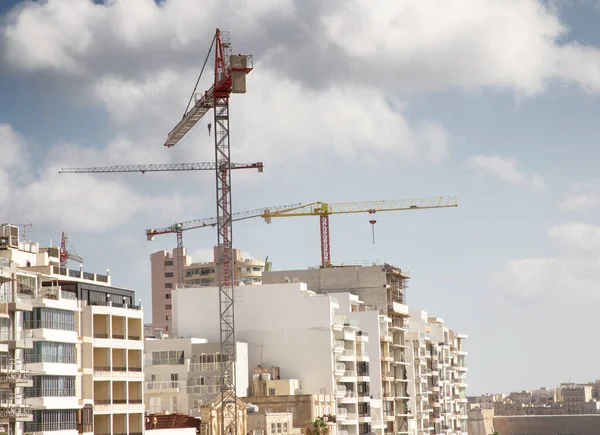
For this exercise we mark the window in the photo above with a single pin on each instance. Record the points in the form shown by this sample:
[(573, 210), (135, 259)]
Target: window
[(278, 427), (168, 357), (273, 428), (271, 391), (168, 317), (168, 274), (168, 285), (256, 269), (285, 427), (52, 420), (168, 262), (51, 352), (175, 377), (168, 296), (52, 386), (167, 306), (50, 318)]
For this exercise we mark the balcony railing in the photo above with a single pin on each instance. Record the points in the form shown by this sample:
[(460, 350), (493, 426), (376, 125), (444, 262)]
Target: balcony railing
[(203, 389), (162, 385), (349, 374), (50, 392), (48, 324), (49, 427), (205, 367)]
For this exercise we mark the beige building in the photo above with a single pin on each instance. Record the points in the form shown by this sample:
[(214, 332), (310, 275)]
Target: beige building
[(271, 423), (74, 346), (164, 267)]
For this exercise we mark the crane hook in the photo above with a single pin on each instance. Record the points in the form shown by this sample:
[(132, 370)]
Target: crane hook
[(209, 127)]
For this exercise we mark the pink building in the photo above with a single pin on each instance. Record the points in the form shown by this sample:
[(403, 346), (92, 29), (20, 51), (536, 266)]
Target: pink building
[(164, 266)]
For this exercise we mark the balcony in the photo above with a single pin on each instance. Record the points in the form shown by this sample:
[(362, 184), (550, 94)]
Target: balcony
[(362, 336), (348, 376), (346, 355), (17, 339), (340, 392), (13, 406), (349, 397), (163, 386), (14, 371), (386, 336), (351, 418), (338, 346), (203, 389), (205, 367)]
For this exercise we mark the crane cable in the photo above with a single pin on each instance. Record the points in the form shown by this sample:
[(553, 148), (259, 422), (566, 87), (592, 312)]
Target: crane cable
[(200, 76)]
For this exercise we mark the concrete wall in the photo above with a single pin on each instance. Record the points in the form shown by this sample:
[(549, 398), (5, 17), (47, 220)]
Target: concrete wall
[(283, 325), (548, 425)]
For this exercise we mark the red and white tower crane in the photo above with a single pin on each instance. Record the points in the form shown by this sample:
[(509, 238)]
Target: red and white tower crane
[(230, 72), (66, 255)]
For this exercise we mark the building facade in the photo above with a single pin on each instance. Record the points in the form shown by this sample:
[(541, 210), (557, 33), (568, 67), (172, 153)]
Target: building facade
[(164, 267), (182, 374), (54, 336)]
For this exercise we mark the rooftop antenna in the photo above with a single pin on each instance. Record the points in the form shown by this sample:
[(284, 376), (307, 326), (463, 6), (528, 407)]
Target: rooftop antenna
[(24, 230)]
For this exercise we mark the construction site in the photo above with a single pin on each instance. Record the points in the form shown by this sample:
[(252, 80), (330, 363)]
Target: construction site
[(384, 369)]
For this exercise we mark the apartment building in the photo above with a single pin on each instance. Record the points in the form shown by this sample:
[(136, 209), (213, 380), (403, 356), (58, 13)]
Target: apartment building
[(438, 397), (288, 326), (182, 374), (164, 267), (383, 315), (75, 352)]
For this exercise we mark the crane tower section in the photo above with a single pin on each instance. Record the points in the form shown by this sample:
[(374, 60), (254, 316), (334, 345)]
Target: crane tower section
[(229, 77)]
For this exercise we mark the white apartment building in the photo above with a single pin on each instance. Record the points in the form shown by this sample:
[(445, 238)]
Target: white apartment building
[(74, 346), (384, 317), (438, 391), (181, 374), (288, 326)]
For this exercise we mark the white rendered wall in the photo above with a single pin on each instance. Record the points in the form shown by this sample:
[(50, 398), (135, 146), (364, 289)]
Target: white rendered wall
[(282, 325)]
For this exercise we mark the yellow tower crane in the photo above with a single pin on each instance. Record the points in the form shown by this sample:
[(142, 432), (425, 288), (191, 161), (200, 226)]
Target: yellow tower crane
[(324, 210)]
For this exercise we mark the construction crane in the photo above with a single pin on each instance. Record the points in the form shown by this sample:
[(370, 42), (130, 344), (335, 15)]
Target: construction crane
[(65, 254), (230, 72), (324, 210), (179, 227), (163, 167)]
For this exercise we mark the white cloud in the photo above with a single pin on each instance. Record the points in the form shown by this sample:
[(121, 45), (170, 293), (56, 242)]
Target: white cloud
[(402, 45), (573, 276), (73, 202), (558, 280), (577, 235), (506, 169), (584, 195)]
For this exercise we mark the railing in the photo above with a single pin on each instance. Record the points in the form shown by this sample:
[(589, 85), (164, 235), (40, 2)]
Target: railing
[(50, 426), (350, 394), (15, 335), (341, 412), (203, 389), (119, 369), (41, 358), (205, 367), (399, 323), (48, 324), (133, 337), (338, 344), (102, 368), (161, 385), (50, 392), (348, 352), (351, 416), (118, 336), (349, 373), (100, 335), (165, 362)]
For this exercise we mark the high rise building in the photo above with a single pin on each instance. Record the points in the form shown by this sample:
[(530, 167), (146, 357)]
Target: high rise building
[(164, 267), (73, 346)]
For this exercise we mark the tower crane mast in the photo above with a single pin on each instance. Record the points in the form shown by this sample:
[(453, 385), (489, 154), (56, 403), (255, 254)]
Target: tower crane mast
[(229, 77), (65, 255), (324, 210)]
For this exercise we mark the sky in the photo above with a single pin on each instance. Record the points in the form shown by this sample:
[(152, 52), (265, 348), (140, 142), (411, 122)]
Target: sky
[(494, 101)]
